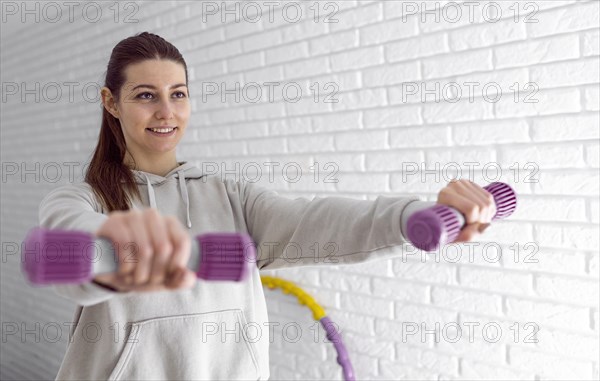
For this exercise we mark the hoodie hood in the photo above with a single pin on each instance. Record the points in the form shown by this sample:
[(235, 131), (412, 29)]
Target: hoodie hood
[(184, 171)]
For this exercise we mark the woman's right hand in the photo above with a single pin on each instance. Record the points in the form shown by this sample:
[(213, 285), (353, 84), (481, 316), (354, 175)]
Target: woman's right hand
[(152, 250)]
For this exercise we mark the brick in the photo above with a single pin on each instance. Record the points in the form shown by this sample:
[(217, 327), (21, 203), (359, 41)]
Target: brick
[(428, 359), (366, 98), (286, 53), (495, 280), (547, 313), (546, 156), (594, 211), (245, 61), (390, 160), (356, 17), (492, 132), (581, 183), (290, 126), (392, 74), (318, 143), (349, 283), (411, 321), (304, 29), (262, 40), (581, 237), (548, 366), (361, 140), (458, 63), (264, 146), (419, 137), (305, 68), (334, 42), (397, 289), (533, 52), (463, 111), (481, 371), (568, 19), (564, 128), (462, 300), (484, 35), (416, 270), (375, 347), (405, 115), (413, 48), (592, 156), (349, 120), (393, 370), (386, 31), (592, 98), (382, 308), (580, 346), (357, 59), (591, 43), (567, 290), (358, 323), (548, 102), (553, 209), (580, 72)]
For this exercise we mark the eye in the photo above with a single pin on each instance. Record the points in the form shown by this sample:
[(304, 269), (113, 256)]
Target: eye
[(182, 94), (141, 97)]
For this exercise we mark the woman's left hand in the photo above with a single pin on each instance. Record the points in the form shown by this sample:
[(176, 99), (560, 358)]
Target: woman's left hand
[(474, 202)]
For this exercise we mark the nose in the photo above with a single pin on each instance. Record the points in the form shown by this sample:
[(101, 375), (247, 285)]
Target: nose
[(165, 110)]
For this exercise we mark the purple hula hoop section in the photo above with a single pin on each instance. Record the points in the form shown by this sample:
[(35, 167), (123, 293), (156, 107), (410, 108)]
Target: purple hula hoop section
[(334, 336)]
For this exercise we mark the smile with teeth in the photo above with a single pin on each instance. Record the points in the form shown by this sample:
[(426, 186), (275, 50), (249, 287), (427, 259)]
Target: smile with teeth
[(162, 130)]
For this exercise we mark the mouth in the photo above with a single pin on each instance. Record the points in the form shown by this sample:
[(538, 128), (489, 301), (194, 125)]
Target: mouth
[(162, 131)]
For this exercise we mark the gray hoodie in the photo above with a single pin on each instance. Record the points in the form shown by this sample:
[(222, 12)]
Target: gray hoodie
[(216, 330)]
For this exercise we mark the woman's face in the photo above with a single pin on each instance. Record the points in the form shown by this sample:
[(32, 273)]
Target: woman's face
[(154, 95)]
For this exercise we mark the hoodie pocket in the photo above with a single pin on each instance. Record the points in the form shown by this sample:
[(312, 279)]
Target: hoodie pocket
[(203, 346)]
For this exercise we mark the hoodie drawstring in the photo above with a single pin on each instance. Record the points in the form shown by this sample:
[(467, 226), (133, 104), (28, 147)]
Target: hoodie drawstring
[(184, 194), (150, 193), (182, 190)]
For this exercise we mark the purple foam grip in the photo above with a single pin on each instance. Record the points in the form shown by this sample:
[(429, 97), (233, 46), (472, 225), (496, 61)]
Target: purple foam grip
[(55, 256), (51, 256), (343, 359), (225, 256), (438, 225)]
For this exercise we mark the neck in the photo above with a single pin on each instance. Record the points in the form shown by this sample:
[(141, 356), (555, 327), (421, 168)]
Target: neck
[(157, 166)]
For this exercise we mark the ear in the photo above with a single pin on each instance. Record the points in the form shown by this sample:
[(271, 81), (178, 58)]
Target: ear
[(108, 101)]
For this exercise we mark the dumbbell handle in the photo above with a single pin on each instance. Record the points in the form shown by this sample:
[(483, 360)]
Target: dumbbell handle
[(71, 256), (429, 225)]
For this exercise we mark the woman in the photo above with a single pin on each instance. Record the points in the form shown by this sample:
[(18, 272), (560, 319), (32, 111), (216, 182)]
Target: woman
[(136, 191)]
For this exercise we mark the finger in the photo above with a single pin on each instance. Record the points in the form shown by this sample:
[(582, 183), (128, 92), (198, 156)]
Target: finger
[(181, 242), (143, 246), (485, 199), (160, 242), (468, 233), (116, 231), (449, 196)]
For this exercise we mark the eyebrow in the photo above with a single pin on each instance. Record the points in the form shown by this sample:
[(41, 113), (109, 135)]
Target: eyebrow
[(154, 87)]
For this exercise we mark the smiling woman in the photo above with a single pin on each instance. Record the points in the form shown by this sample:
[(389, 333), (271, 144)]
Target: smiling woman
[(145, 113), (163, 335)]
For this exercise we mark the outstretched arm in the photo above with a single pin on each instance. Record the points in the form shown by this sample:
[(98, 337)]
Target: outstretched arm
[(71, 207), (333, 230)]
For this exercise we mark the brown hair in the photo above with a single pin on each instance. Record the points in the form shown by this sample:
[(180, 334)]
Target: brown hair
[(111, 180)]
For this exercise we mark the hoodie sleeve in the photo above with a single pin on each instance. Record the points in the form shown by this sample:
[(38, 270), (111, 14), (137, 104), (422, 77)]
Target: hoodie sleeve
[(332, 230), (73, 207)]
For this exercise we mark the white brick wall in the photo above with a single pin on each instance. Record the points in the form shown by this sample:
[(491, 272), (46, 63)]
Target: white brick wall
[(547, 276)]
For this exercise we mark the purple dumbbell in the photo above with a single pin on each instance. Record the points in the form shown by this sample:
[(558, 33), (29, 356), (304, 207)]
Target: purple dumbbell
[(71, 256), (429, 225)]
